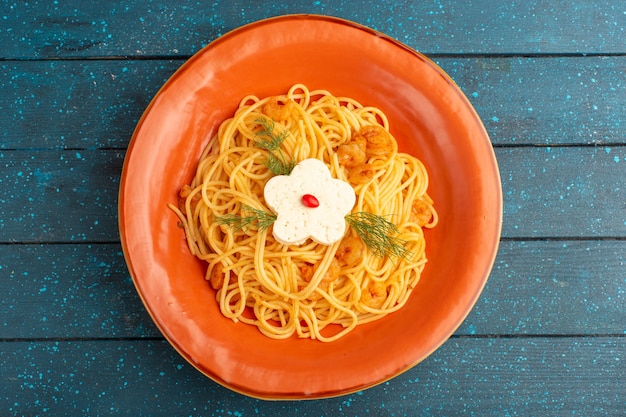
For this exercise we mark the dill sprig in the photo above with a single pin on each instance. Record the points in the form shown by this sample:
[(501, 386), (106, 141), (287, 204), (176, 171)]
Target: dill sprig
[(270, 139), (260, 219), (378, 234)]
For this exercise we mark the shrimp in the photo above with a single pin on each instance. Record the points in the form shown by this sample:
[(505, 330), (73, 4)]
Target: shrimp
[(361, 173), (333, 271), (374, 295), (420, 213), (217, 276), (379, 141), (316, 295), (350, 250), (278, 111), (351, 154), (307, 271), (185, 191)]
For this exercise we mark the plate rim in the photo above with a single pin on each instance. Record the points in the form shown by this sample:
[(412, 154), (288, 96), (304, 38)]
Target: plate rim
[(498, 205)]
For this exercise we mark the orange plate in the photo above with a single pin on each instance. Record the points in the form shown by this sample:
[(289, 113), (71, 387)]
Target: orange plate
[(430, 117)]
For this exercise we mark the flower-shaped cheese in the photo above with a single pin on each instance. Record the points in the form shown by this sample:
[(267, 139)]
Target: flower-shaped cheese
[(309, 203)]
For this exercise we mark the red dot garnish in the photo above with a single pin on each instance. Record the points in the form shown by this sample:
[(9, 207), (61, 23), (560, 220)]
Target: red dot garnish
[(310, 201)]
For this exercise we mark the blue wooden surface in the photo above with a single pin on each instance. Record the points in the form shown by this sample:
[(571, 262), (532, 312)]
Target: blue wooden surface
[(550, 92), (548, 334)]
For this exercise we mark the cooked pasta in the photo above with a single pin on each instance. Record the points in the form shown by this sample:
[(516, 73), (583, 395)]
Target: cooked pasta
[(312, 290)]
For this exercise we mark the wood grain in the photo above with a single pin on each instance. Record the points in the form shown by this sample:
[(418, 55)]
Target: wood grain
[(61, 291), (467, 376), (555, 287), (64, 291), (59, 196), (97, 103), (546, 101), (563, 191), (161, 28), (546, 337), (548, 192)]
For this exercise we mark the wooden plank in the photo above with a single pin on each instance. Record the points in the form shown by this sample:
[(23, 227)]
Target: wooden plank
[(553, 288), (69, 291), (125, 28), (97, 103), (563, 192), (536, 288), (66, 196), (549, 192), (468, 376), (567, 100)]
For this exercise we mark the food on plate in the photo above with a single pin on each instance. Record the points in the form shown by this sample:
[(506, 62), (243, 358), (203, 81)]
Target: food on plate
[(309, 219)]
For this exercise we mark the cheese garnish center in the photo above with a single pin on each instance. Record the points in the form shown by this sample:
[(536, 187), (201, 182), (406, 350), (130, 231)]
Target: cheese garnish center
[(298, 218)]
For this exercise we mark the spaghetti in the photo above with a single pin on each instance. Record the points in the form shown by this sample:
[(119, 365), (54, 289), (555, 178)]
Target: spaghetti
[(312, 290)]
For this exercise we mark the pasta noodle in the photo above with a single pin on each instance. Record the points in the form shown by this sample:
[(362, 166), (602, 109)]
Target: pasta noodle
[(311, 290)]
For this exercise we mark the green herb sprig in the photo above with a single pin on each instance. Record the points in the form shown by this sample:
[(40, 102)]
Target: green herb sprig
[(379, 234), (260, 219), (271, 141)]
